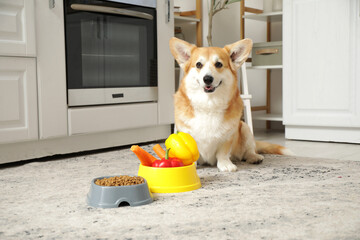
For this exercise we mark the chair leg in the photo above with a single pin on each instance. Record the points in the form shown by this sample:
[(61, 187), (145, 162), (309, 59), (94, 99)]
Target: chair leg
[(245, 91), (247, 112)]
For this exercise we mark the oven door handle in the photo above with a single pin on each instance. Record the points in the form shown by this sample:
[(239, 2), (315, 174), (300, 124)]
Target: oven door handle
[(112, 10)]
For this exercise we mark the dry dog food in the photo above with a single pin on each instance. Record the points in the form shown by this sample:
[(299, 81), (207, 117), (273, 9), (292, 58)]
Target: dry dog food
[(119, 181)]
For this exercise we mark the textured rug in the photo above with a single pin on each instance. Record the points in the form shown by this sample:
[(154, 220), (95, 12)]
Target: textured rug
[(282, 198)]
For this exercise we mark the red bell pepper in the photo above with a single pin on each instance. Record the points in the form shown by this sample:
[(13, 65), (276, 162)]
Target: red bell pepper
[(167, 162), (176, 163)]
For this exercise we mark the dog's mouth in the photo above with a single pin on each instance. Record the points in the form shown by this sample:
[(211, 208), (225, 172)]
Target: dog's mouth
[(211, 88)]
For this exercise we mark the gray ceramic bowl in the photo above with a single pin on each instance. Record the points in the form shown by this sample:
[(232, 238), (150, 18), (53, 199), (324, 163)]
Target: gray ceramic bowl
[(117, 196)]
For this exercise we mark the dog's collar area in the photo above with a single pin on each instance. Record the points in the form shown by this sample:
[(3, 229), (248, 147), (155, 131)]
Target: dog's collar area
[(210, 88)]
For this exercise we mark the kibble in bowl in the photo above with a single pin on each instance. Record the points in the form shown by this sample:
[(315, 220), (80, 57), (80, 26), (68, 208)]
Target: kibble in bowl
[(117, 191), (119, 181)]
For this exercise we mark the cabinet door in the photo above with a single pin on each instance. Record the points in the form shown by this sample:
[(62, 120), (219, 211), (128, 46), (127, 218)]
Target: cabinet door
[(18, 99), (321, 63), (166, 66), (51, 71), (17, 28)]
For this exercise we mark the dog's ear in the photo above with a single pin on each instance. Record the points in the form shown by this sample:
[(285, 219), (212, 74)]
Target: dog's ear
[(181, 50), (239, 51)]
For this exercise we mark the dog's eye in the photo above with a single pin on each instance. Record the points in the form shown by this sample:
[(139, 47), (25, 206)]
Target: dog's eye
[(199, 65), (218, 65)]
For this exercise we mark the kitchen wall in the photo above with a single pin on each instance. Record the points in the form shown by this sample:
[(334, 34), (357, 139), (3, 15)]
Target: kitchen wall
[(226, 29)]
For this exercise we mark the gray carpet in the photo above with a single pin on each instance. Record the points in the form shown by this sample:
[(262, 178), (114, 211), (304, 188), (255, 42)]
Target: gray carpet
[(282, 198)]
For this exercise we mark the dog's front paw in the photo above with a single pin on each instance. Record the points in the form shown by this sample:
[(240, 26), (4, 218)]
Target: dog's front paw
[(226, 166)]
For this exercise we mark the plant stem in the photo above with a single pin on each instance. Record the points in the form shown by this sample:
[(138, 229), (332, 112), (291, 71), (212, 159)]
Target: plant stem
[(220, 5), (209, 36)]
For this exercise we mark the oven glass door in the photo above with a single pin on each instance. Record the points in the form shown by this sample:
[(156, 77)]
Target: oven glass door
[(106, 50)]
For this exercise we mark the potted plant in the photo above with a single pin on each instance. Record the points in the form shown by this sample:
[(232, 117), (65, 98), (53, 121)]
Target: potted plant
[(215, 7)]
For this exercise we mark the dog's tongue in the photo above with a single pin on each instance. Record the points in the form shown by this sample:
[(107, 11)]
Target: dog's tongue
[(209, 89)]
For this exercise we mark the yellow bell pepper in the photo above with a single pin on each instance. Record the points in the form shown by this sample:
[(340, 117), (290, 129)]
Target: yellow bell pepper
[(183, 147)]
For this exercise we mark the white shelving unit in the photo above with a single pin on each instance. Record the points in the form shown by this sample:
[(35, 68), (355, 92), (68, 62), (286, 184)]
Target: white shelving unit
[(192, 18), (181, 20), (269, 17)]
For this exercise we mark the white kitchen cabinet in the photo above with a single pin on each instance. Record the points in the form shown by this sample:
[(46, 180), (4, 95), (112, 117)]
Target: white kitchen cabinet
[(51, 70), (166, 81), (18, 100), (321, 71), (35, 120), (17, 28)]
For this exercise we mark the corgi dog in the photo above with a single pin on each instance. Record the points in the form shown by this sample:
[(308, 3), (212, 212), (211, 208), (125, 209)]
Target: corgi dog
[(208, 105)]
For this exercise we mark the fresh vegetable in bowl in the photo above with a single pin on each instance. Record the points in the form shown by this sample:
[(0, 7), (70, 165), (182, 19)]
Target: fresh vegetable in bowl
[(149, 160), (159, 151), (145, 158), (183, 152), (168, 162), (183, 147)]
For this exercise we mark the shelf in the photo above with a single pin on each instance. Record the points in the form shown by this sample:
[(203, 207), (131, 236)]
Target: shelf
[(265, 67), (269, 116), (181, 19), (271, 16), (249, 66)]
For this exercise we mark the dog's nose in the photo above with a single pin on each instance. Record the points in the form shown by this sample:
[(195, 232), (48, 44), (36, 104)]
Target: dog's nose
[(208, 79)]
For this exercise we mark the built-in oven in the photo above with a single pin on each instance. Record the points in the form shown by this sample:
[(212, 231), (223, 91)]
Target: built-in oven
[(111, 51)]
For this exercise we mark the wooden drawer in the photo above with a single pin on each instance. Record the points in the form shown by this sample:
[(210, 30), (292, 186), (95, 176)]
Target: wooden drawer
[(267, 54)]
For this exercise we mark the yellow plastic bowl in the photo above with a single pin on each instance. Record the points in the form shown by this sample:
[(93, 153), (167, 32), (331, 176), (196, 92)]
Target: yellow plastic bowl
[(172, 179)]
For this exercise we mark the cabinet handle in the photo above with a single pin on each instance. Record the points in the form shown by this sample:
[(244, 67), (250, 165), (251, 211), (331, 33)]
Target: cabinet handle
[(167, 15), (267, 51), (118, 95), (119, 11)]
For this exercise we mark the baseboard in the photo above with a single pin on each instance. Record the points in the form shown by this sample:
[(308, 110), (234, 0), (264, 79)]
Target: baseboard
[(325, 134), (78, 143)]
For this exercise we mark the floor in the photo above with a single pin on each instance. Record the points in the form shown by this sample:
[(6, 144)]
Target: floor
[(285, 197), (343, 151)]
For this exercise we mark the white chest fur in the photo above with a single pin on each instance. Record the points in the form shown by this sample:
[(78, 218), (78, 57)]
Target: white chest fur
[(210, 131)]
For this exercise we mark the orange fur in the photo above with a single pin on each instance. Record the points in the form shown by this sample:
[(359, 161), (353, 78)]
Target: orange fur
[(236, 106), (269, 148)]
